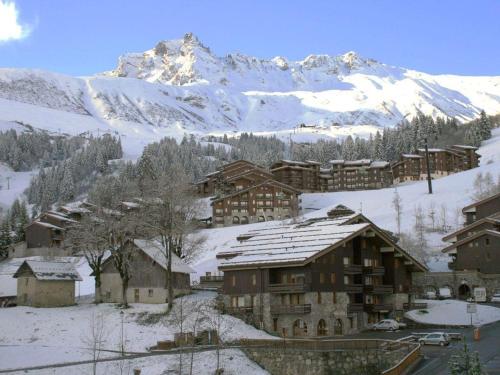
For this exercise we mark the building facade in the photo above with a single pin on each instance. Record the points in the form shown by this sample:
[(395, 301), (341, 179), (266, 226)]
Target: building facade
[(266, 201), (148, 283), (46, 283), (303, 176), (325, 277), (475, 247)]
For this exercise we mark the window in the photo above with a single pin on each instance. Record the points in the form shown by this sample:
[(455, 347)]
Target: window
[(275, 324), (487, 241), (367, 262), (368, 280), (351, 322), (233, 280), (241, 301), (108, 295), (253, 299), (234, 301), (254, 279), (322, 328), (346, 280), (321, 278), (150, 292), (347, 261), (319, 297)]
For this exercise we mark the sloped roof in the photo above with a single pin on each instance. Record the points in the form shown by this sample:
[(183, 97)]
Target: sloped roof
[(155, 251), (50, 270), (494, 219), (289, 244), (411, 156), (470, 238), (266, 182), (465, 147), (485, 200), (44, 224)]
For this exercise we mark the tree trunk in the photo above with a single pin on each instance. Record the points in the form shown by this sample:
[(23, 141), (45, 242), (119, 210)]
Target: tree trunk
[(169, 277), (98, 294), (124, 293)]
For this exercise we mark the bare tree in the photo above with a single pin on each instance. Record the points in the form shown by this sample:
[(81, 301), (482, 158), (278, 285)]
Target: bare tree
[(197, 318), (177, 317), (169, 208), (420, 227), (95, 339), (398, 208), (90, 238), (432, 215), (443, 217)]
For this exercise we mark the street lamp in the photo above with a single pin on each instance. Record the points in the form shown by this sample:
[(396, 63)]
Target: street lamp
[(122, 347)]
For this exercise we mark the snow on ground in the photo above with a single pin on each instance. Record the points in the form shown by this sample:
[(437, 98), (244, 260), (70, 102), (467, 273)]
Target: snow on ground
[(12, 185), (453, 313), (233, 361), (452, 192), (37, 336)]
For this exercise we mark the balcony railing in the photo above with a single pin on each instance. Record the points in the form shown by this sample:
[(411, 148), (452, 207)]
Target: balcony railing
[(351, 269), (379, 289), (291, 309), (379, 307), (289, 288), (354, 307), (353, 288), (239, 310), (374, 270), (208, 279)]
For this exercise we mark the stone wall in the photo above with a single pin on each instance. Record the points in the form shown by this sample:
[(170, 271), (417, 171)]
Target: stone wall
[(434, 280), (338, 362)]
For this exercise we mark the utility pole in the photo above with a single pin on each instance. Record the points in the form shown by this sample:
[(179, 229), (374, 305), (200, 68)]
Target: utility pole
[(427, 162), (8, 182)]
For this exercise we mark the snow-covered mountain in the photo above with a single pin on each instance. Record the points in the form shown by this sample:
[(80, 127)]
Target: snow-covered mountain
[(180, 86)]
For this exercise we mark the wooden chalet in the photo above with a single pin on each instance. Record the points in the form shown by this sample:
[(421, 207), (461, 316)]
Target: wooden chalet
[(265, 201), (323, 277), (303, 176)]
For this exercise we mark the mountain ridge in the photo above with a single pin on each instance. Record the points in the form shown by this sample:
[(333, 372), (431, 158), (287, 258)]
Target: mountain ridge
[(180, 86)]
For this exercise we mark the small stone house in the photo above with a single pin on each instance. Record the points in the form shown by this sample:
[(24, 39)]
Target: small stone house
[(148, 281), (46, 283)]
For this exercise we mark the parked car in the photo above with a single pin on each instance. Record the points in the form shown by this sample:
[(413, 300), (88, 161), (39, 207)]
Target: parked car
[(444, 293), (430, 295), (435, 338), (388, 325), (495, 298)]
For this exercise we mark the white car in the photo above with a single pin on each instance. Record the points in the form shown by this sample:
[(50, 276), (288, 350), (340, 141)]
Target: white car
[(388, 325), (495, 297), (435, 338)]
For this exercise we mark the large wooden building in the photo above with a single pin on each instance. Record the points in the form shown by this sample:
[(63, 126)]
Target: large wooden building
[(476, 246), (265, 201), (322, 277), (442, 162), (303, 176), (148, 280)]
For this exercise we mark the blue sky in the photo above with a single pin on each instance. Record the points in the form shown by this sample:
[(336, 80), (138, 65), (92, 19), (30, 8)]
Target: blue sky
[(85, 37)]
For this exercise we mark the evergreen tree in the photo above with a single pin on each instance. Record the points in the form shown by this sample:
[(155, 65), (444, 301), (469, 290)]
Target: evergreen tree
[(484, 126), (5, 234)]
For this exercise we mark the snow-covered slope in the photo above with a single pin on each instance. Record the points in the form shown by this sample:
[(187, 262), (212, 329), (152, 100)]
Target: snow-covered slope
[(181, 86), (450, 194)]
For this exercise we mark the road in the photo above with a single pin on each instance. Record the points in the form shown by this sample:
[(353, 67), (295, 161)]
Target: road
[(435, 361)]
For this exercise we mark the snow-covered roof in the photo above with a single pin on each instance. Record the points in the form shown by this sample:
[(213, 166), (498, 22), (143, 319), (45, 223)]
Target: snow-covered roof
[(357, 162), (46, 225), (465, 147), (294, 243), (412, 156), (379, 164), (156, 252), (432, 150), (130, 204), (59, 216), (51, 270), (337, 161)]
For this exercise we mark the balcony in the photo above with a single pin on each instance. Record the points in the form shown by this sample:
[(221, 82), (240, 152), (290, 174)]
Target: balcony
[(291, 309), (379, 307), (212, 278), (354, 307), (352, 269), (240, 310), (353, 288), (379, 289), (374, 270), (289, 288)]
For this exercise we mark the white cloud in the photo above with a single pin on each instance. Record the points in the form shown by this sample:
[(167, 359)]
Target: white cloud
[(10, 27)]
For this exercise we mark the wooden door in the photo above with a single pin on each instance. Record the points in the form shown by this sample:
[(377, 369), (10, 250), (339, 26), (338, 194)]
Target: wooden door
[(136, 295)]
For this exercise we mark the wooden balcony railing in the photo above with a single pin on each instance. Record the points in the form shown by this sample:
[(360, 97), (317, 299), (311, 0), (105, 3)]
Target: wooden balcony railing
[(353, 288), (379, 289), (374, 270), (291, 309), (289, 288), (214, 278), (351, 269), (379, 307), (238, 310)]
